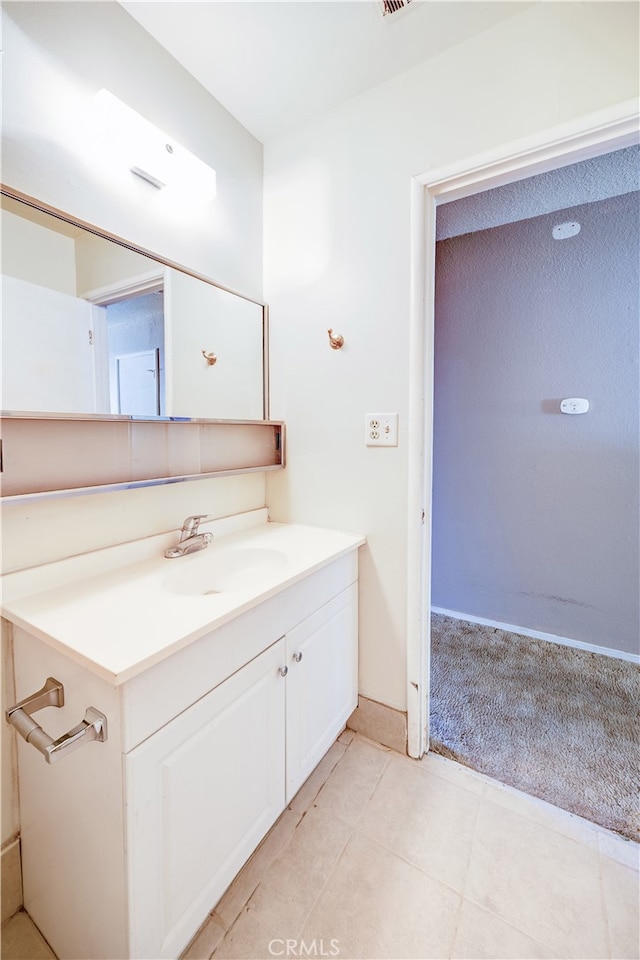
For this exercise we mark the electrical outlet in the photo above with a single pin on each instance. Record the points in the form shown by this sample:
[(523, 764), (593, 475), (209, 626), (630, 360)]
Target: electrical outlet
[(381, 429)]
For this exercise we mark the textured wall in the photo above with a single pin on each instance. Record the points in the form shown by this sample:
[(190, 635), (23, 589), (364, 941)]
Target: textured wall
[(609, 175), (535, 513)]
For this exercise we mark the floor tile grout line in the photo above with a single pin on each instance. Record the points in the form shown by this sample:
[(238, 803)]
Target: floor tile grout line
[(476, 796), (240, 915), (586, 825), (481, 800), (546, 827), (410, 863), (329, 877), (353, 823), (509, 923), (588, 849), (327, 778), (372, 793), (631, 845), (351, 826), (452, 781), (454, 935)]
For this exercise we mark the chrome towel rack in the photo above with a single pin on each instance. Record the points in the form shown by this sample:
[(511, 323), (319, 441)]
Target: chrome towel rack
[(93, 727)]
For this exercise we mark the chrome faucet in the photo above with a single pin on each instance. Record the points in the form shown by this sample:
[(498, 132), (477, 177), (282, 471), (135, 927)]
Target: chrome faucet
[(190, 540)]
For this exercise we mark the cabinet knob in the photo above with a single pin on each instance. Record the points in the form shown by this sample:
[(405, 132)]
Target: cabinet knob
[(297, 656), (283, 671)]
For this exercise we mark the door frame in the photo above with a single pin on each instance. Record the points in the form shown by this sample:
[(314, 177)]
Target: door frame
[(602, 132), (102, 297)]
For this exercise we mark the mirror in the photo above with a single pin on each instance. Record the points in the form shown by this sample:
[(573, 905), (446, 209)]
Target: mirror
[(94, 326)]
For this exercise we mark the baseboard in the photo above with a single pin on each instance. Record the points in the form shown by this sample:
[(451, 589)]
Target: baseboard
[(11, 879), (381, 723), (537, 635)]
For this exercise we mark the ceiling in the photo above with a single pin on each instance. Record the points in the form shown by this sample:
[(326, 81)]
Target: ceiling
[(274, 64)]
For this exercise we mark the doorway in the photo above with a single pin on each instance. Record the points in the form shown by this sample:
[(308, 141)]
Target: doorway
[(135, 338), (531, 566), (128, 321), (604, 132), (138, 383)]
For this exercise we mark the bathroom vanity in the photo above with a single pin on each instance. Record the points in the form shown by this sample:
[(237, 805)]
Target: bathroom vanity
[(224, 677)]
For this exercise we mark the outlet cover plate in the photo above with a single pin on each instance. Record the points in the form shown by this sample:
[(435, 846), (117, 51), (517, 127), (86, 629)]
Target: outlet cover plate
[(381, 429)]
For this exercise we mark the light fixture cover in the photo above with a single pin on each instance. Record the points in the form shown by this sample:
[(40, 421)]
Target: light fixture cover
[(132, 140)]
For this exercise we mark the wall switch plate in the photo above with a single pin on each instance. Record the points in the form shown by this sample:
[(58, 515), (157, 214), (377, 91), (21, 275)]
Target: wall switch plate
[(381, 429)]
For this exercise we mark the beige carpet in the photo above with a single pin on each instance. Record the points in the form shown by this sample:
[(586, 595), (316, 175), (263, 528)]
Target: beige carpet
[(558, 723)]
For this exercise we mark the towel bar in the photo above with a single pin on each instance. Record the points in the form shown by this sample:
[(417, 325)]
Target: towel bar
[(93, 727)]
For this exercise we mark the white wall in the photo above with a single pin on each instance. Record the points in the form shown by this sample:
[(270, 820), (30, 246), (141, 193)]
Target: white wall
[(337, 254), (55, 57), (219, 323), (31, 252), (100, 263)]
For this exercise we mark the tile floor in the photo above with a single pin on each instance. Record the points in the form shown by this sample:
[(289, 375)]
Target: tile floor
[(21, 940), (379, 856)]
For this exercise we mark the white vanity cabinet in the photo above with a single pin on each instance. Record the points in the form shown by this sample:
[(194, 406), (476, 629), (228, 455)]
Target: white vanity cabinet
[(200, 795), (322, 683), (128, 844)]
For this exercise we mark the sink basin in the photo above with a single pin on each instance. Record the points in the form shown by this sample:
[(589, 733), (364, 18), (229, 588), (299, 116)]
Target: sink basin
[(219, 571)]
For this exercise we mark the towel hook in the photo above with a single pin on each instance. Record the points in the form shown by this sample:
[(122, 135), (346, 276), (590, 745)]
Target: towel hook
[(335, 339), (209, 357)]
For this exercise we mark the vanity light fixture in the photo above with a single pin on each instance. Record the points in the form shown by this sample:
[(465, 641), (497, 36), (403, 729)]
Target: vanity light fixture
[(149, 153)]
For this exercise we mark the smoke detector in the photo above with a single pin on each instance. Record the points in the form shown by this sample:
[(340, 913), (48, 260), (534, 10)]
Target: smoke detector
[(392, 8)]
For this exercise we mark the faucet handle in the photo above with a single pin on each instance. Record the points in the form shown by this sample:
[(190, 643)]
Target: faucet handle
[(191, 524)]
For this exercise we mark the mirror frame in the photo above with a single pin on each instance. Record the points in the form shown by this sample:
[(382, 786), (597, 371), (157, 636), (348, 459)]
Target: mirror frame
[(42, 207)]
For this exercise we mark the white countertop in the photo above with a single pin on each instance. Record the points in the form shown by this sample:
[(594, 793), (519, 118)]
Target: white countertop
[(120, 610)]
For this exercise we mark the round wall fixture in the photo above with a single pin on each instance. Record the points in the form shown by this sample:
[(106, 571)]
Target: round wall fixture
[(562, 231)]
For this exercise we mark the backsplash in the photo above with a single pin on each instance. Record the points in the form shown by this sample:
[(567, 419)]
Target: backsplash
[(41, 530)]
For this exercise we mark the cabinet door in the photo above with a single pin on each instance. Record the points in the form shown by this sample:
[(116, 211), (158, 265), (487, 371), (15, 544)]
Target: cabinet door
[(201, 793), (322, 683)]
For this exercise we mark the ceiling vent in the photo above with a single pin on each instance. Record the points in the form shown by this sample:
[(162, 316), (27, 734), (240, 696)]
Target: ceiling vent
[(394, 7)]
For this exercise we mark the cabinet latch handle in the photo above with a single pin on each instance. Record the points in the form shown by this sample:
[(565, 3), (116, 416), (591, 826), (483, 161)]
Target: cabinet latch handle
[(297, 656), (93, 727)]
